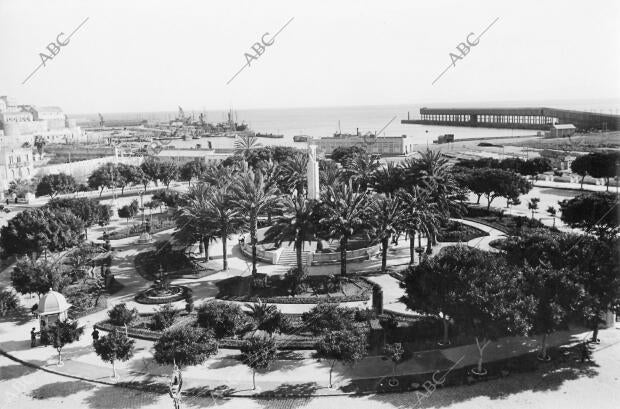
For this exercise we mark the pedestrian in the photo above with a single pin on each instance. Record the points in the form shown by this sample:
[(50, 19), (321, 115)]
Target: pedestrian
[(7, 201), (33, 338), (585, 352), (95, 334)]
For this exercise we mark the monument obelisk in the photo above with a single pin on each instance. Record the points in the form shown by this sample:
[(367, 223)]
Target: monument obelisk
[(313, 173)]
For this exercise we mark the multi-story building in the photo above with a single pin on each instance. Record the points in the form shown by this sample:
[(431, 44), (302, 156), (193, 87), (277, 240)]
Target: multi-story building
[(15, 163)]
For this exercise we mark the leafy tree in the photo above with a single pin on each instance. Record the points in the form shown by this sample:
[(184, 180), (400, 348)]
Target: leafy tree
[(169, 172), (192, 170), (163, 317), (327, 317), (114, 347), (385, 216), (344, 215), (582, 166), (185, 346), (152, 170), (605, 165), (592, 211), (20, 187), (8, 302), (346, 346), (535, 166), (533, 205), (171, 198), (225, 320), (259, 353), (552, 211), (494, 183), (62, 333), (343, 154), (553, 293), (89, 211), (296, 226), (252, 197), (29, 276), (129, 211), (129, 175), (56, 184), (121, 315), (106, 176), (29, 231)]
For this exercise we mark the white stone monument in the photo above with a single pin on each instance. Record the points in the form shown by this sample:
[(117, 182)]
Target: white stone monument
[(313, 173)]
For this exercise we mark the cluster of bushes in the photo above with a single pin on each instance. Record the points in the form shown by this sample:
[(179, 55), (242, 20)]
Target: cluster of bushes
[(149, 262), (224, 319), (458, 232)]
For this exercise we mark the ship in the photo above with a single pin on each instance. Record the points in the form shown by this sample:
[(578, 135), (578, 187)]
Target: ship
[(301, 138)]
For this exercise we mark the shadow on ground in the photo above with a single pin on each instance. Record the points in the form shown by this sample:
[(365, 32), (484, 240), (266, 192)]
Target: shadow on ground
[(60, 389), (112, 397)]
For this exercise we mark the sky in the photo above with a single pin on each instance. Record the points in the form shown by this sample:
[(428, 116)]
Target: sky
[(138, 56)]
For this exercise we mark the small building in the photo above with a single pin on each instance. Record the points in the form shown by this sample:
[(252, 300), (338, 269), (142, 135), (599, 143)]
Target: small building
[(53, 307), (561, 130)]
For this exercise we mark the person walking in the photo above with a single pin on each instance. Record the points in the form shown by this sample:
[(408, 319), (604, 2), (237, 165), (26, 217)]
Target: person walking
[(33, 338), (95, 334)]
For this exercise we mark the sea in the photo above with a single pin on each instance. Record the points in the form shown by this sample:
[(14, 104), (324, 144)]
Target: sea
[(325, 121)]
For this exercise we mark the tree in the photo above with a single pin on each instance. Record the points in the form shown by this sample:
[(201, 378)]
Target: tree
[(343, 154), (327, 317), (259, 353), (185, 346), (33, 229), (106, 176), (169, 171), (604, 165), (252, 197), (152, 171), (225, 320), (192, 169), (535, 166), (420, 215), (36, 277), (592, 211), (394, 352), (553, 293), (163, 318), (533, 205), (245, 144), (56, 184), (194, 220), (129, 211), (494, 183), (582, 165), (344, 215), (20, 187), (385, 215), (115, 346), (361, 169), (552, 211), (266, 317), (346, 346), (62, 333), (294, 174), (129, 175), (120, 315), (89, 211), (389, 178), (295, 226), (8, 302), (224, 218)]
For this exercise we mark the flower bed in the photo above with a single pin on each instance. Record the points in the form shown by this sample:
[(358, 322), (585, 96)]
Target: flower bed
[(276, 291), (159, 222)]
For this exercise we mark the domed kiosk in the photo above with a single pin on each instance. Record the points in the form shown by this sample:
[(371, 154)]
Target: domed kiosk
[(53, 306)]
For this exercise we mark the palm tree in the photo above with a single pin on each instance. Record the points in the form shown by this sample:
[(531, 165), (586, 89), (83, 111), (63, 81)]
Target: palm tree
[(224, 218), (294, 173), (194, 221), (421, 215), (245, 143), (386, 214), (345, 211), (361, 169), (389, 178), (329, 173), (296, 226), (217, 175), (251, 196), (266, 317)]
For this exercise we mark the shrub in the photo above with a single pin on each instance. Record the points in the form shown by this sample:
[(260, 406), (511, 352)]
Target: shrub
[(327, 317), (224, 319), (8, 302), (121, 315), (296, 279), (163, 318), (189, 303), (363, 315)]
